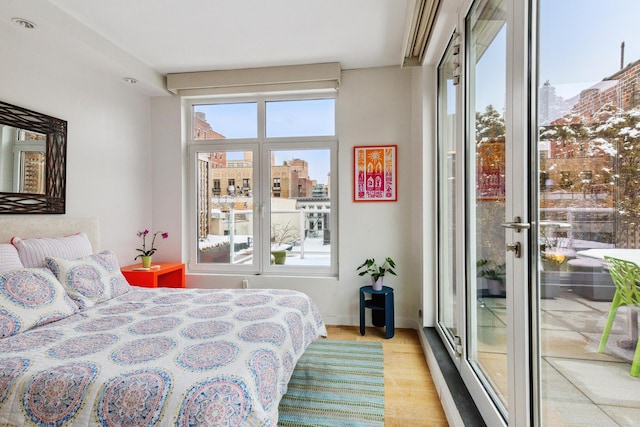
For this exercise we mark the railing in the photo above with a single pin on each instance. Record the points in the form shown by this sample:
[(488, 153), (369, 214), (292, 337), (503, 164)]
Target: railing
[(301, 229), (597, 224), (302, 219)]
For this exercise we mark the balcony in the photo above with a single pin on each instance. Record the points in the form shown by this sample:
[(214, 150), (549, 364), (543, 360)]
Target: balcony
[(576, 378), (302, 235)]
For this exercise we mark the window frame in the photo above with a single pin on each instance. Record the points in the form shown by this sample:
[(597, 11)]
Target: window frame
[(261, 187)]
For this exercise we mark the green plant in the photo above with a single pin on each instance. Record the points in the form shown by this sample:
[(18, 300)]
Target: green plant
[(376, 271), (490, 270)]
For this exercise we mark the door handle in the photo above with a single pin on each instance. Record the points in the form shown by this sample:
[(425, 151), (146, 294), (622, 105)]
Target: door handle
[(516, 248), (516, 225)]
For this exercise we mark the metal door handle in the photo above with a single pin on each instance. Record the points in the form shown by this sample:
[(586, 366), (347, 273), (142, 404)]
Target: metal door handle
[(517, 224), (516, 248)]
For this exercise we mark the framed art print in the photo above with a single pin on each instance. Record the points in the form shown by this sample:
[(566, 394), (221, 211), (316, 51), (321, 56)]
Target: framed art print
[(375, 173)]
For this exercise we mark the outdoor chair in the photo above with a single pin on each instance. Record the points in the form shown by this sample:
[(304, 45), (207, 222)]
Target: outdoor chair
[(625, 276)]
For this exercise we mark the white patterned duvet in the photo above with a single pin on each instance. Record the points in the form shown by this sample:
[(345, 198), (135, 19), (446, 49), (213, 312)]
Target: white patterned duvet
[(194, 357)]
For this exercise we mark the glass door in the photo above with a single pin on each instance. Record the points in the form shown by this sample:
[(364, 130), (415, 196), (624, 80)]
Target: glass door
[(483, 205), (486, 57), (449, 277), (549, 124), (588, 146)]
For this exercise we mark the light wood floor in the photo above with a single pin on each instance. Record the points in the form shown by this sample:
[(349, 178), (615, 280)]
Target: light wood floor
[(410, 398)]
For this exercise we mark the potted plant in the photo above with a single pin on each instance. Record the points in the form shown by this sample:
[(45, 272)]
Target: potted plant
[(281, 235), (553, 261), (377, 272), (494, 273), (145, 254)]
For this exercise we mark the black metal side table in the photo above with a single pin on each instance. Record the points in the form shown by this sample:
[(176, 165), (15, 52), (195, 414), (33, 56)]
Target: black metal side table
[(381, 303)]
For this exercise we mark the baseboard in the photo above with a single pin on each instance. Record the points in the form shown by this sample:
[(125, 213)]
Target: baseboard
[(399, 322)]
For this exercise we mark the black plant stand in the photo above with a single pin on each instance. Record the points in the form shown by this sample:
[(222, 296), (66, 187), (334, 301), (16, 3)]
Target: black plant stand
[(377, 316), (381, 305)]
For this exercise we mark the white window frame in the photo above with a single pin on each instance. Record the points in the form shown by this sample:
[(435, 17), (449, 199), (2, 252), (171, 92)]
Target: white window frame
[(261, 187)]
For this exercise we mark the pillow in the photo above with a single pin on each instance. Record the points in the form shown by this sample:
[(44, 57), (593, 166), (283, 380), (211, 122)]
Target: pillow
[(92, 279), (31, 297), (9, 259), (33, 252)]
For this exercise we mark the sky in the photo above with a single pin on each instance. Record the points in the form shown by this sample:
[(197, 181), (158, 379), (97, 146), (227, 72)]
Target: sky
[(579, 45), (284, 119), (580, 41)]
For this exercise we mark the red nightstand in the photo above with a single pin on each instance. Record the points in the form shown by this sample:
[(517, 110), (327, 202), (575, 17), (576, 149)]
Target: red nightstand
[(169, 275)]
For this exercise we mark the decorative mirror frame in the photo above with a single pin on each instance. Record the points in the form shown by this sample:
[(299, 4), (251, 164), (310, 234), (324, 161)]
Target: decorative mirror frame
[(53, 201)]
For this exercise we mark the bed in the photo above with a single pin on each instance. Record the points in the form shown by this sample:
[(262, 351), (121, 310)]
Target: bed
[(136, 356)]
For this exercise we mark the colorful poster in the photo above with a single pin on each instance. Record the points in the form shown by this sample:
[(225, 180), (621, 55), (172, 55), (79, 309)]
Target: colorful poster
[(375, 173)]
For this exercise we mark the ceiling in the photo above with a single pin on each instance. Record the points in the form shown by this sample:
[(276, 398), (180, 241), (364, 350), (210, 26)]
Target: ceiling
[(147, 39)]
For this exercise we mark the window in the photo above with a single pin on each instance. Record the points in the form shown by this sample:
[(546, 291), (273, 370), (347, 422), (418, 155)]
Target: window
[(313, 117), (282, 152)]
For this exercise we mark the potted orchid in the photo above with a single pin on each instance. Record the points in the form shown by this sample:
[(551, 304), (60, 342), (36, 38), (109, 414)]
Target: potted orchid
[(145, 254)]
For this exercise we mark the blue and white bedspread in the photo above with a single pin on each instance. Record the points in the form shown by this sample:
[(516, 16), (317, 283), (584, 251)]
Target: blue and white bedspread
[(194, 357)]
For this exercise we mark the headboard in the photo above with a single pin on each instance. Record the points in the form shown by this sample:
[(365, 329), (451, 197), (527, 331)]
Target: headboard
[(29, 226)]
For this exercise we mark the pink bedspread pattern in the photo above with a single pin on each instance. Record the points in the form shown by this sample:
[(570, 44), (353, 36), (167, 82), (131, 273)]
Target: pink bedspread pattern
[(163, 357)]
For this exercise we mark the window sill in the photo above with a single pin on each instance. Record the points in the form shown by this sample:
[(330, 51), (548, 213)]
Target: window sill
[(454, 396)]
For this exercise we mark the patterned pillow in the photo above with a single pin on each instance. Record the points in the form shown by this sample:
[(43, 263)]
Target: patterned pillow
[(92, 279), (34, 251), (31, 297), (9, 259)]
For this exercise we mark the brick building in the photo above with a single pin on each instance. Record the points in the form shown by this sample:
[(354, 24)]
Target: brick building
[(622, 89), (569, 162)]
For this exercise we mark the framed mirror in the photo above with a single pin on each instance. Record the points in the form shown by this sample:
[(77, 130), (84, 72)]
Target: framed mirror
[(33, 156)]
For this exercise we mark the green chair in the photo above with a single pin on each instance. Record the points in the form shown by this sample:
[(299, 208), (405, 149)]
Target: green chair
[(625, 276)]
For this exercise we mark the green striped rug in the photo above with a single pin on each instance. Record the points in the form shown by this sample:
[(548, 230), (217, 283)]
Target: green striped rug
[(336, 383)]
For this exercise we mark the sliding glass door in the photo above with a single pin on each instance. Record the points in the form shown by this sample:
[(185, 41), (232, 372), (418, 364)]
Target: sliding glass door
[(487, 349), (450, 266), (538, 160), (588, 145), (483, 164)]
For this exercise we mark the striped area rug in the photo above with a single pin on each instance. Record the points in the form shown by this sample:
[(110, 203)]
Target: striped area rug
[(336, 384)]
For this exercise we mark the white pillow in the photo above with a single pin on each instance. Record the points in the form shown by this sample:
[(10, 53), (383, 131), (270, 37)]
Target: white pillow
[(9, 258), (31, 297), (92, 279), (33, 252)]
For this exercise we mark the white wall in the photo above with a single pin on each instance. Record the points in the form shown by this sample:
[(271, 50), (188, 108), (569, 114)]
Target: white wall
[(108, 167), (374, 106), (426, 208), (168, 170)]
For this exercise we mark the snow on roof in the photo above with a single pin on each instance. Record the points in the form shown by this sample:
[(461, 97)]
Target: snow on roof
[(603, 85)]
